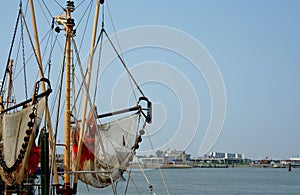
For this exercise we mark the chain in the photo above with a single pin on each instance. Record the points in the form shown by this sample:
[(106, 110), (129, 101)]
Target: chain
[(9, 171)]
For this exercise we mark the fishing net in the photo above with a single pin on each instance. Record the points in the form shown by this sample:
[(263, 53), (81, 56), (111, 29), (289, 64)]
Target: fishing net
[(107, 150), (17, 133)]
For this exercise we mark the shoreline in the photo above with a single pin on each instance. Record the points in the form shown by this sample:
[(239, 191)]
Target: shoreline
[(183, 166)]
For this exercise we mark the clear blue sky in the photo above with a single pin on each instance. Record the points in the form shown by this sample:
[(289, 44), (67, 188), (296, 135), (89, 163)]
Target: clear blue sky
[(256, 46)]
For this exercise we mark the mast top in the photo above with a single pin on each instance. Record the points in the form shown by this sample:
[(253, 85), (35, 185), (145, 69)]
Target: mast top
[(70, 6)]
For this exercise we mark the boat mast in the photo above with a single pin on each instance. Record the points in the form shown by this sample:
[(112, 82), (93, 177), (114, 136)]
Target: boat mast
[(86, 97), (40, 64), (69, 24)]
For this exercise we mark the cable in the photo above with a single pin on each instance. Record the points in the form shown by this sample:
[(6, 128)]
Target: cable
[(11, 46), (98, 67), (124, 65), (31, 42), (59, 5), (133, 182), (46, 8), (86, 24), (23, 57), (119, 45), (161, 174)]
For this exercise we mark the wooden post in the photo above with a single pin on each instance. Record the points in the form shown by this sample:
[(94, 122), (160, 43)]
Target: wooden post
[(45, 175), (40, 64)]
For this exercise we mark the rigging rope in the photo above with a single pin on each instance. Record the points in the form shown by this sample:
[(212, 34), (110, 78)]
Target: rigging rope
[(50, 56), (161, 174), (54, 100), (46, 47), (145, 176), (11, 47), (129, 173), (59, 5), (41, 7), (118, 42), (31, 42), (100, 39), (24, 64), (58, 110), (98, 67), (83, 75), (46, 8), (81, 3), (133, 182), (123, 63), (89, 9), (86, 23)]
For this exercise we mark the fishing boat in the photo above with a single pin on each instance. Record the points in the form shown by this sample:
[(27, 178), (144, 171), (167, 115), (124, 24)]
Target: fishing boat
[(97, 147)]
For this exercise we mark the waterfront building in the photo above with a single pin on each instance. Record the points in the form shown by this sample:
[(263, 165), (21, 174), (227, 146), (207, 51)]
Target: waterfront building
[(163, 157), (295, 162), (226, 155), (151, 161), (176, 157), (159, 153)]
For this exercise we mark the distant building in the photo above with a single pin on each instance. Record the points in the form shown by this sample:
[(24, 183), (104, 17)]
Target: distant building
[(159, 154), (167, 157), (226, 155), (176, 157), (151, 160), (230, 155), (293, 161), (217, 154), (239, 156)]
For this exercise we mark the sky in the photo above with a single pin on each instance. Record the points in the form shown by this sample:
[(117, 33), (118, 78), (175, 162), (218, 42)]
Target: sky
[(252, 47)]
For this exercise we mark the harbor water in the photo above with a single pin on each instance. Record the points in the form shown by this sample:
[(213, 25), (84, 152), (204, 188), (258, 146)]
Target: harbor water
[(209, 181)]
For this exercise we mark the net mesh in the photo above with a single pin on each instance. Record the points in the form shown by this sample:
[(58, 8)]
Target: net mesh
[(107, 150), (12, 133)]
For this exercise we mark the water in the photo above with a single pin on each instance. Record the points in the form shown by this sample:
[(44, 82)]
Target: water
[(211, 181)]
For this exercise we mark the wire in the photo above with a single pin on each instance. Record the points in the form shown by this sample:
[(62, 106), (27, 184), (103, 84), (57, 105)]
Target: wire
[(46, 8), (133, 182), (11, 47), (161, 174), (31, 43), (89, 8), (124, 65), (59, 5), (23, 57), (41, 7), (86, 24), (98, 67), (58, 108), (119, 45), (83, 74)]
